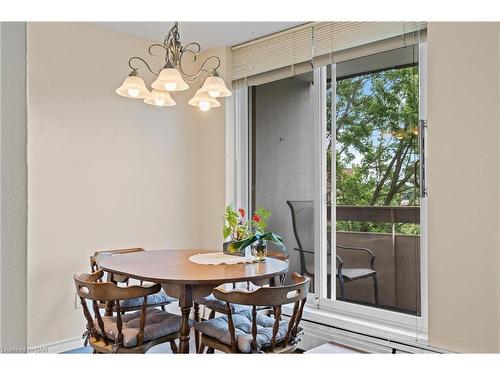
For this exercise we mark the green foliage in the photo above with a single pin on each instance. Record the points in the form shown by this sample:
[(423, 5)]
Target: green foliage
[(248, 231), (263, 215), (377, 142), (245, 233), (269, 236), (234, 225)]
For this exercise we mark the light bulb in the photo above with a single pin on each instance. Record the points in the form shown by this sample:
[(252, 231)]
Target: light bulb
[(204, 105), (170, 86), (133, 93), (214, 93), (160, 102)]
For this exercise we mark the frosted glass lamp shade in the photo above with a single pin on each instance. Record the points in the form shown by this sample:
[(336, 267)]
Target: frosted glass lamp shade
[(133, 87), (160, 99), (215, 87), (170, 79), (203, 101)]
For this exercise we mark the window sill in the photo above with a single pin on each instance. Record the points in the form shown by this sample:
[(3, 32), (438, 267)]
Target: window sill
[(373, 330)]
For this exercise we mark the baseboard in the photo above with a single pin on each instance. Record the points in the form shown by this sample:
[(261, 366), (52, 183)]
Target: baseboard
[(64, 345)]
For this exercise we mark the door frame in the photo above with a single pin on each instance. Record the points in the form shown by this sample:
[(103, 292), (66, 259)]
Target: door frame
[(368, 315)]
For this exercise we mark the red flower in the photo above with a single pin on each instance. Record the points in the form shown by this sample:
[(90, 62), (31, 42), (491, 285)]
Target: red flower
[(256, 218), (242, 212)]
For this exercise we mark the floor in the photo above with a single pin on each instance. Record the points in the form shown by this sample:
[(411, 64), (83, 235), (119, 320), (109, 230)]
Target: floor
[(158, 349), (333, 348), (328, 348)]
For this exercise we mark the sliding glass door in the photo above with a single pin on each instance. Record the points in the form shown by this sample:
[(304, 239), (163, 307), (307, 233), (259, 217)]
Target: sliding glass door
[(336, 155), (373, 177)]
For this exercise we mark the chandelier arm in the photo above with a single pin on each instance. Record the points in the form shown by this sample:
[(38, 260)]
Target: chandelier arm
[(158, 45), (195, 77), (143, 61), (202, 68), (187, 48)]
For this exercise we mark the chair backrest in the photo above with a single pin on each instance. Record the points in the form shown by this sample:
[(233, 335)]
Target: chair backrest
[(295, 292), (101, 254), (303, 229), (91, 287)]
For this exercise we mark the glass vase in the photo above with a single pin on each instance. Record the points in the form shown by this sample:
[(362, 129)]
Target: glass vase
[(230, 249), (259, 250)]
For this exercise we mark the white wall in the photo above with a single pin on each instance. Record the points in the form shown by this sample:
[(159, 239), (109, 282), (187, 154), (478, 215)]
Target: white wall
[(13, 185), (464, 187), (107, 171), (212, 161)]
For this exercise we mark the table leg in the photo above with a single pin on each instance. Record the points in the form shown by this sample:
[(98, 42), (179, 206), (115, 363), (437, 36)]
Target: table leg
[(185, 303), (275, 281), (197, 319)]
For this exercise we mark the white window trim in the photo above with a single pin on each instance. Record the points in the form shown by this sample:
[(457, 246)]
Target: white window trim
[(424, 244), (242, 151), (319, 135)]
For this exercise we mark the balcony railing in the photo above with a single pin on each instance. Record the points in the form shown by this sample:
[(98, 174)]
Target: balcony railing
[(397, 256)]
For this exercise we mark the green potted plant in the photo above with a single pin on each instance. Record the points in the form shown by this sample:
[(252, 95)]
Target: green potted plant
[(243, 233), (234, 230)]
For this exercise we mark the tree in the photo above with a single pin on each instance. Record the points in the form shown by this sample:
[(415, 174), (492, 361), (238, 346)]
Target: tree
[(377, 139)]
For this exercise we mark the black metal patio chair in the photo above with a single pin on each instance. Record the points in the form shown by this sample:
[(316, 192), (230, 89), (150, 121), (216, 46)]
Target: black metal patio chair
[(303, 229)]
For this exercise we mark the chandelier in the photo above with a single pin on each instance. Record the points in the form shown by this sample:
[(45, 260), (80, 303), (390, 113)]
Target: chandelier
[(172, 77)]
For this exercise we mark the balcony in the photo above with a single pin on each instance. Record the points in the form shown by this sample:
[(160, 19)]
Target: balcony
[(397, 257)]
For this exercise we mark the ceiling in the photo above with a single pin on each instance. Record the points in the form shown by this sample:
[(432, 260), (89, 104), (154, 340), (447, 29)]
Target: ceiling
[(208, 34)]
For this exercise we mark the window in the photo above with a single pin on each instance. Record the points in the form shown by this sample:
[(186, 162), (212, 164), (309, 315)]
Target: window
[(335, 155)]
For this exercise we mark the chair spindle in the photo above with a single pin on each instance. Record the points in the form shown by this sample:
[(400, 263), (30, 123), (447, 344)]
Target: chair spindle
[(230, 325), (90, 321), (255, 348), (119, 324), (298, 319), (276, 326), (291, 323), (100, 322), (142, 323)]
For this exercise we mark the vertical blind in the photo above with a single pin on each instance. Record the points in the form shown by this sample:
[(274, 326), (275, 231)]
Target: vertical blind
[(298, 50)]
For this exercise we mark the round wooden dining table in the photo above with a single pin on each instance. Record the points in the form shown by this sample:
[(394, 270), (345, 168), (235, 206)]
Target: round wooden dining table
[(185, 280)]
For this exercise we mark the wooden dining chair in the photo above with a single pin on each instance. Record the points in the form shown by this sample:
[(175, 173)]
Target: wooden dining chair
[(217, 306), (134, 332), (251, 331), (160, 299)]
